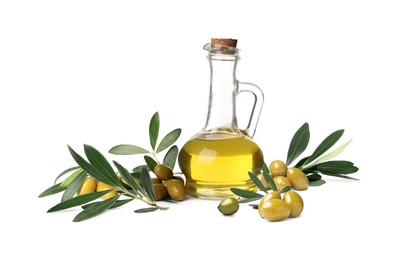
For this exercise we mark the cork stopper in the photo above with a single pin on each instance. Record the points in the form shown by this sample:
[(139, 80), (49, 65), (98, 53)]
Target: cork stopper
[(224, 42)]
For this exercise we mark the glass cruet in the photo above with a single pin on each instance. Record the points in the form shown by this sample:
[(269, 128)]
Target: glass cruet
[(220, 155)]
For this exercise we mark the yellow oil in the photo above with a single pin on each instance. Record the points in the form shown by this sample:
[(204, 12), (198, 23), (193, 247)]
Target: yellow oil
[(214, 163)]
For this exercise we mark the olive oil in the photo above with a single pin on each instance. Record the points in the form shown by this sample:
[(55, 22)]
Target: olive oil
[(213, 163)]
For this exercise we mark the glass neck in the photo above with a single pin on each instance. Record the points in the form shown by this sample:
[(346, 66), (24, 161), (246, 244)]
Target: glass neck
[(223, 88)]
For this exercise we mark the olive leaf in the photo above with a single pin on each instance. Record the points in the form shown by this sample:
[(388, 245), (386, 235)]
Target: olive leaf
[(154, 130), (301, 162), (151, 163), (71, 177), (249, 200), (77, 201), (117, 203), (317, 182), (265, 169), (52, 190), (327, 143), (127, 149), (245, 193), (171, 156), (74, 186), (65, 172), (91, 170), (334, 167), (101, 164), (169, 139), (285, 189), (254, 206), (96, 209), (298, 144), (334, 153), (257, 182), (129, 179), (270, 181), (147, 184), (138, 169), (145, 210), (313, 177)]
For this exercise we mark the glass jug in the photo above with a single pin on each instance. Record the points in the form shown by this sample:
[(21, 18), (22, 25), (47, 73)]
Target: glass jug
[(219, 157)]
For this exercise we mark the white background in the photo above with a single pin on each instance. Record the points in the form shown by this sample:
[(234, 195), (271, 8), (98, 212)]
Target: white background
[(75, 72)]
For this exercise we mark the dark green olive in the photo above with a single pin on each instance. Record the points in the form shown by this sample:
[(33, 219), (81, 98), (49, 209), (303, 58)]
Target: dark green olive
[(175, 190), (160, 191), (228, 206), (277, 168), (163, 172)]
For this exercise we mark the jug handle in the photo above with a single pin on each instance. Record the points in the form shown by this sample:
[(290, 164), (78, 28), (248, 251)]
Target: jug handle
[(257, 107)]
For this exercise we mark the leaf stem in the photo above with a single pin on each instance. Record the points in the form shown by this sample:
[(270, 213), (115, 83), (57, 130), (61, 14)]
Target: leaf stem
[(154, 154), (142, 198)]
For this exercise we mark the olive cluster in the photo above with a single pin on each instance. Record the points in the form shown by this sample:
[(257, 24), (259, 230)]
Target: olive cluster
[(284, 176), (164, 185), (273, 208)]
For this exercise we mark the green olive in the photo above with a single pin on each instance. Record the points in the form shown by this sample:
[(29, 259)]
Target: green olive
[(101, 186), (295, 203), (88, 186), (281, 182), (228, 206), (156, 181), (160, 191), (274, 209), (277, 168), (272, 195), (263, 181), (298, 179), (163, 172), (176, 190)]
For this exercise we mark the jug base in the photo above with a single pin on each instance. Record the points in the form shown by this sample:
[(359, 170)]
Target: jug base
[(215, 191)]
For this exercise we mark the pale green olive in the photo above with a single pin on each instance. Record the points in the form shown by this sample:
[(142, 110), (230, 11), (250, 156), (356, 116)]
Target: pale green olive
[(277, 168), (295, 203), (101, 186), (262, 179), (163, 172), (228, 206), (160, 191), (281, 182), (88, 186), (274, 209), (298, 179)]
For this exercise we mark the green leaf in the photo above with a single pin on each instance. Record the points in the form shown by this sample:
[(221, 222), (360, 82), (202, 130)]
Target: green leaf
[(333, 154), (52, 190), (154, 130), (254, 206), (340, 176), (65, 172), (335, 167), (91, 170), (313, 177), (317, 182), (129, 179), (270, 181), (147, 184), (71, 177), (265, 169), (285, 189), (96, 209), (139, 168), (168, 140), (249, 200), (325, 145), (101, 164), (145, 210), (74, 186), (127, 149), (301, 162), (245, 193), (77, 201), (171, 156), (298, 144), (257, 182), (117, 203), (151, 163)]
